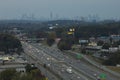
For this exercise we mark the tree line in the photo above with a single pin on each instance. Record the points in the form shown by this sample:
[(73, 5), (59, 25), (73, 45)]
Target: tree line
[(32, 73), (9, 43)]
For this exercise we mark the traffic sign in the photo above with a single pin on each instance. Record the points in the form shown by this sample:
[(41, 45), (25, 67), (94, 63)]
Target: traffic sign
[(79, 56), (102, 76)]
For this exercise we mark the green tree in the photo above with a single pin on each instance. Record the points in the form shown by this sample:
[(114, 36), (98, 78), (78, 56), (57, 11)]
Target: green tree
[(113, 60), (106, 46), (9, 42), (65, 44), (7, 74), (50, 41), (37, 74), (27, 77), (100, 43), (28, 68), (51, 38)]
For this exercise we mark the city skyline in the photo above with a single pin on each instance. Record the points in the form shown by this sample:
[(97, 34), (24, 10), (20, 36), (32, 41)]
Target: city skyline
[(45, 9)]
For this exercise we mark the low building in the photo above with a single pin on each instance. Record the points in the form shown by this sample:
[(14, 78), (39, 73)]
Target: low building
[(83, 42), (115, 37), (113, 49), (92, 39), (93, 44), (104, 39), (93, 49)]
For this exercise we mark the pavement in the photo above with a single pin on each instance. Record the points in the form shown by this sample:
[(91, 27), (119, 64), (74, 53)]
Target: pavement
[(55, 64), (85, 68)]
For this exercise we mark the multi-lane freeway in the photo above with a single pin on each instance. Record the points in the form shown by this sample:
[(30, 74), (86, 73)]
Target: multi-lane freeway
[(59, 63)]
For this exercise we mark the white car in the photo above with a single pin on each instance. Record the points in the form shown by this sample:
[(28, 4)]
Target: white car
[(69, 70)]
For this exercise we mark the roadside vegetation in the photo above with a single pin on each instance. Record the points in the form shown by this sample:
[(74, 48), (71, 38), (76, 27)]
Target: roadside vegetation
[(31, 73), (117, 69), (9, 44), (113, 60), (51, 38)]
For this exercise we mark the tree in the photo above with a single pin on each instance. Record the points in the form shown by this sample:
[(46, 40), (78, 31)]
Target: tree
[(106, 46), (28, 68), (27, 77), (116, 44), (100, 43), (65, 44), (113, 60), (37, 74), (7, 74), (60, 31), (51, 38), (50, 41), (9, 43)]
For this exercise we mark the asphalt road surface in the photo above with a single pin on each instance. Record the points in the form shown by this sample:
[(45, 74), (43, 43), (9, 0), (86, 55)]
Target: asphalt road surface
[(59, 67), (58, 62)]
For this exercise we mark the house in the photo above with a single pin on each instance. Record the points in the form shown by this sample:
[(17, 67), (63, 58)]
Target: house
[(93, 49), (104, 39), (115, 38), (83, 42)]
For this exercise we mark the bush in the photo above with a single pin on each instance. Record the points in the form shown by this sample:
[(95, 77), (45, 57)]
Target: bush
[(64, 45), (50, 42), (113, 60), (9, 43)]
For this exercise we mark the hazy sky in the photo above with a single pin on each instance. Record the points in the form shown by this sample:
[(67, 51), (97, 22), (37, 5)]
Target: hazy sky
[(10, 9)]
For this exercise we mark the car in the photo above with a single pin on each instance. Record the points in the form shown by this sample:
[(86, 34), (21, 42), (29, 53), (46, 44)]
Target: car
[(78, 77), (48, 58), (95, 74), (69, 70), (98, 78), (48, 65)]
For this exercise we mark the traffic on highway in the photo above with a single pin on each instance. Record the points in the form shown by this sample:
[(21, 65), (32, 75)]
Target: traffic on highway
[(65, 66)]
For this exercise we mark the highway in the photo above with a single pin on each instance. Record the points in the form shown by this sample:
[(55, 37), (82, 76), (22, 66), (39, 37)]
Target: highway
[(79, 65), (58, 62), (55, 64), (32, 60)]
